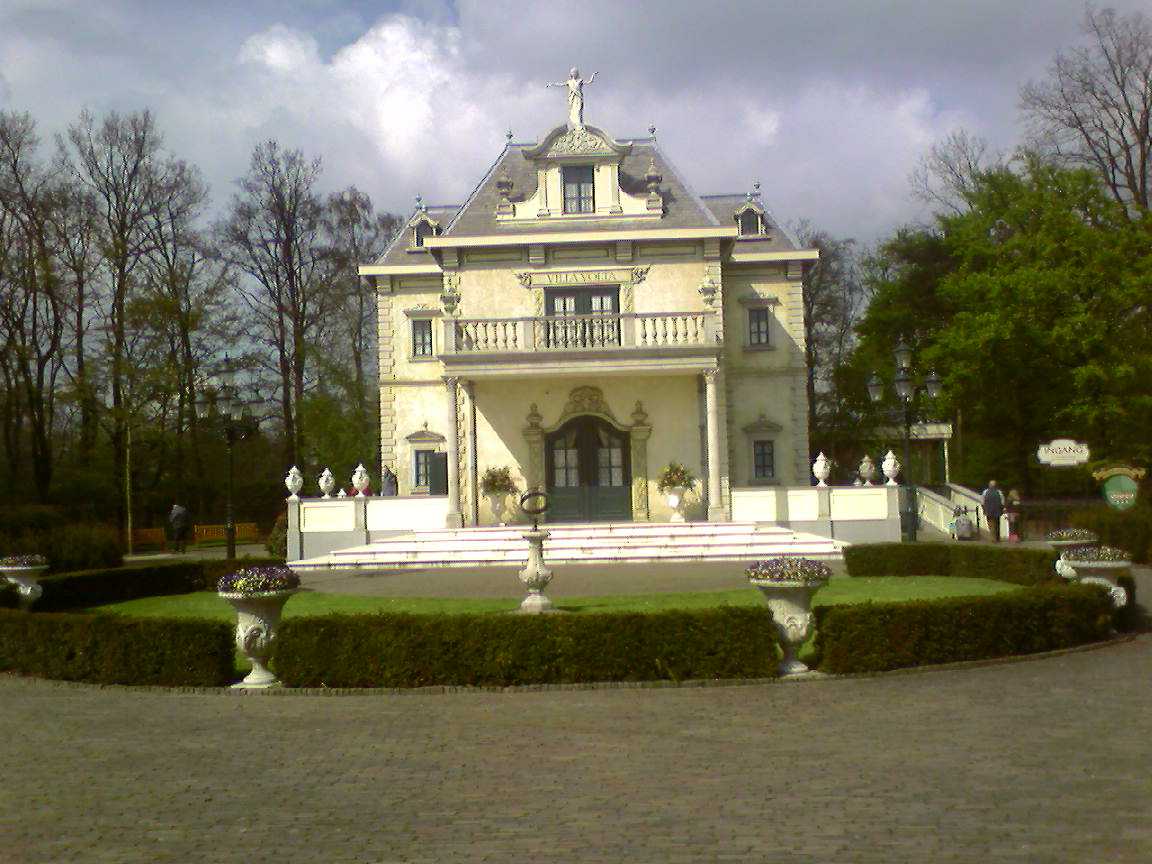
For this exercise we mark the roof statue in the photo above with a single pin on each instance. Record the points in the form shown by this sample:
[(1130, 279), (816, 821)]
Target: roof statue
[(575, 85)]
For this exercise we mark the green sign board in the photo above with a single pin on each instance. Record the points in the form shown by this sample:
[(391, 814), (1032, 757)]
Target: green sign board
[(1120, 492)]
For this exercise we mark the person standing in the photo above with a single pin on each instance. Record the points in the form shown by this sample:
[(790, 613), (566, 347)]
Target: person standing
[(178, 521), (992, 500)]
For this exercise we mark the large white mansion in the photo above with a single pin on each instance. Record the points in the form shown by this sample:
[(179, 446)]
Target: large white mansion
[(585, 318)]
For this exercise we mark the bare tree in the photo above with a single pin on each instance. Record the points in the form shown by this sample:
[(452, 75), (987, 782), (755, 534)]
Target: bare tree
[(273, 234), (1095, 107), (32, 314), (121, 164), (947, 175)]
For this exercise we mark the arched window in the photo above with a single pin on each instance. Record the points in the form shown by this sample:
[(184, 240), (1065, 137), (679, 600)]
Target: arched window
[(749, 223)]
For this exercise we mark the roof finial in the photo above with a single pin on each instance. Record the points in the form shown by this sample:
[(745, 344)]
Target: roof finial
[(652, 132), (508, 135), (755, 188), (420, 203)]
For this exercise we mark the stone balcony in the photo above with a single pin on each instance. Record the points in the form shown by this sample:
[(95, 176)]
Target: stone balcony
[(631, 341)]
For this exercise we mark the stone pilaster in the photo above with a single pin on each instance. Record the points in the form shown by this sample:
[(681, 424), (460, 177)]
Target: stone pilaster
[(469, 457), (455, 518), (794, 324), (638, 438), (387, 372), (717, 511)]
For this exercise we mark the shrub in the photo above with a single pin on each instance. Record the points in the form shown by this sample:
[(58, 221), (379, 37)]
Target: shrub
[(110, 649), (873, 637), (30, 518), (675, 474), (1128, 529), (1006, 564), (399, 650), (498, 481), (1019, 566), (84, 588), (277, 542), (897, 559), (83, 547)]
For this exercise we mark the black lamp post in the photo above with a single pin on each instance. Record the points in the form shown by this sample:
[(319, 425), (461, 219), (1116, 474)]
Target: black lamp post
[(906, 390), (226, 401)]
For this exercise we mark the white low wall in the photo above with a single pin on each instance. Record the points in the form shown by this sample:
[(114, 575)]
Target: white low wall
[(320, 525), (855, 514)]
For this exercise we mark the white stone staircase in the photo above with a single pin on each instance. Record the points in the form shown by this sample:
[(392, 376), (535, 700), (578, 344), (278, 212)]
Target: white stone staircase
[(597, 543)]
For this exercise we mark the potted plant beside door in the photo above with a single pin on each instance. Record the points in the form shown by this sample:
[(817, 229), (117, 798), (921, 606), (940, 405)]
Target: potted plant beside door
[(675, 481), (497, 484)]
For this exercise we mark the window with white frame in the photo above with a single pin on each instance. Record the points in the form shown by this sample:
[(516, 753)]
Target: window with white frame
[(759, 318), (422, 469)]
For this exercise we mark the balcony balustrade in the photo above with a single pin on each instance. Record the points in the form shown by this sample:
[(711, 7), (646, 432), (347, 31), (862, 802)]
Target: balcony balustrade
[(629, 331)]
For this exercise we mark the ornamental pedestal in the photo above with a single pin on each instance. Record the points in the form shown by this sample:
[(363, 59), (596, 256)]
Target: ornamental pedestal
[(535, 575), (257, 617), (791, 605), (26, 580)]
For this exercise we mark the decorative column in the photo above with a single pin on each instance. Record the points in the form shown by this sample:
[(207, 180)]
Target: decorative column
[(534, 436), (638, 437), (455, 518), (472, 456), (717, 512)]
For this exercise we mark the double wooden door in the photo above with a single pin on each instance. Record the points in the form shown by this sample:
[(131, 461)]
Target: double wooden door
[(589, 472)]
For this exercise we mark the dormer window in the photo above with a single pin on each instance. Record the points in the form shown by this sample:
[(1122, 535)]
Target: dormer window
[(423, 229), (579, 185), (749, 223)]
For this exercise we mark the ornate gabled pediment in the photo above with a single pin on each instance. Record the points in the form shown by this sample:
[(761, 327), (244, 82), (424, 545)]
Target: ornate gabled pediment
[(579, 141), (762, 424), (425, 436)]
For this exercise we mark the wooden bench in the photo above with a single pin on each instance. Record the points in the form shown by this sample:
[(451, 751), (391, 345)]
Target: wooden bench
[(247, 532)]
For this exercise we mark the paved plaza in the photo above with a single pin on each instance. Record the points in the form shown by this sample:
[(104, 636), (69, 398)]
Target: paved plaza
[(1038, 761)]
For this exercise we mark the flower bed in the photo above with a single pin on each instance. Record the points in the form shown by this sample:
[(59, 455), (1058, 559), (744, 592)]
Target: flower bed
[(1097, 553), (803, 571), (23, 561), (1072, 535), (258, 579)]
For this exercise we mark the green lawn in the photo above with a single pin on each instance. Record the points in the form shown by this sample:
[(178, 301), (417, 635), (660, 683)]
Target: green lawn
[(206, 604)]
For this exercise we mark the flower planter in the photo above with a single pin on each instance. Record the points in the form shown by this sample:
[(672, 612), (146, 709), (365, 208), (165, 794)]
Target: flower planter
[(499, 505), (791, 605), (27, 582), (677, 500), (257, 617), (1061, 545)]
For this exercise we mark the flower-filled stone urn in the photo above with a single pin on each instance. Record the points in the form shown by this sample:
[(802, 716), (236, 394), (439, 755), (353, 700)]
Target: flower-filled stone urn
[(258, 595), (1097, 565), (821, 468), (326, 482), (360, 480), (891, 468), (675, 482), (496, 485), (24, 571), (1070, 538), (294, 482), (788, 584)]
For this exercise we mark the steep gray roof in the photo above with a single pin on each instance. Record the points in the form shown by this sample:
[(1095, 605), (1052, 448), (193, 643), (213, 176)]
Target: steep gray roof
[(683, 209), (399, 251), (723, 207)]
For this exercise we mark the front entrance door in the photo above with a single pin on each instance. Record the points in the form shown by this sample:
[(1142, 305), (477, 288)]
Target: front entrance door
[(589, 472)]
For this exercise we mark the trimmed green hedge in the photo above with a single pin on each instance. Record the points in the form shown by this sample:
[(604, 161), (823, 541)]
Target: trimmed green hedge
[(1127, 529), (400, 650), (85, 588), (110, 649), (1018, 566), (67, 547), (874, 637)]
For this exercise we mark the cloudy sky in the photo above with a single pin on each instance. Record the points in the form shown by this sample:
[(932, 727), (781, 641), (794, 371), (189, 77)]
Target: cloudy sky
[(828, 102)]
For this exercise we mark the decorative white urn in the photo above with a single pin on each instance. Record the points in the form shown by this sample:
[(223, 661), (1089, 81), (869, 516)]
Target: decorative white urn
[(498, 501), (821, 468), (678, 501), (891, 468), (867, 470), (791, 605), (26, 580), (326, 483), (360, 480), (294, 481), (257, 617), (535, 575)]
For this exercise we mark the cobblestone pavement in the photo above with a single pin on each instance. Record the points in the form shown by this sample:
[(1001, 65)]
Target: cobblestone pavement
[(1038, 761)]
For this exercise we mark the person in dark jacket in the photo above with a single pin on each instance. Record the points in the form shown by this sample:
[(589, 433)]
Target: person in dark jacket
[(993, 503), (179, 521)]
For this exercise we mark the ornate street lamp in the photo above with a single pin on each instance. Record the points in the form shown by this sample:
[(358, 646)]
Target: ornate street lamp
[(906, 389), (225, 402)]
